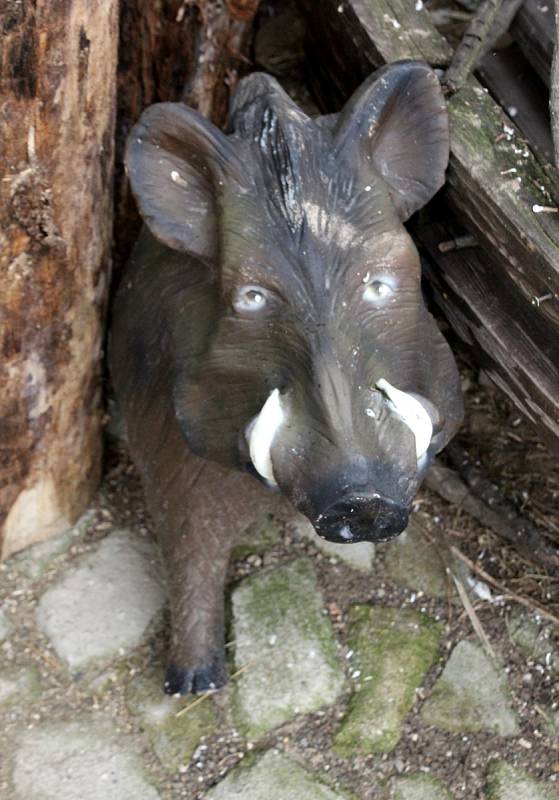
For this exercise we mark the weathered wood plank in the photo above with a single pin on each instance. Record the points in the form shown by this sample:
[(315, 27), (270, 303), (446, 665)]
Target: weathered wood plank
[(507, 334), (495, 185)]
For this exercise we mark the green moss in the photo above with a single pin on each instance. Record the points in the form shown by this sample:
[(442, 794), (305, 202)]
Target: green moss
[(257, 538), (173, 738), (477, 128), (471, 695), (393, 649), (507, 783), (285, 647)]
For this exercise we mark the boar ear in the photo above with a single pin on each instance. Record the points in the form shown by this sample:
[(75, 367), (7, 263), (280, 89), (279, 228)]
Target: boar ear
[(398, 120), (175, 160)]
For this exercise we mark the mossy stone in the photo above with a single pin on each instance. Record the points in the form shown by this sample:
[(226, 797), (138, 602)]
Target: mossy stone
[(174, 738), (273, 775), (258, 538), (471, 695), (412, 561), (505, 782), (393, 649), (417, 787), (285, 647)]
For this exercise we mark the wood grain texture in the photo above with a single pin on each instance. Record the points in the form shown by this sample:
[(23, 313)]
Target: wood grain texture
[(507, 336), (57, 81)]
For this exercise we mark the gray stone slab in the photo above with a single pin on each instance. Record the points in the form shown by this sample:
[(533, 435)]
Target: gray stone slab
[(392, 650), (534, 638), (359, 556), (19, 685), (6, 626), (36, 560), (412, 561), (417, 787), (507, 783), (174, 738), (285, 646), (471, 695), (272, 777), (100, 608), (82, 760)]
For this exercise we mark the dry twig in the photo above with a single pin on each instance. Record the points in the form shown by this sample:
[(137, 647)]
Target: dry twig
[(508, 595)]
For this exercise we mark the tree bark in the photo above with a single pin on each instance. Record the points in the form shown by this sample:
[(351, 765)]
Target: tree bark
[(57, 81)]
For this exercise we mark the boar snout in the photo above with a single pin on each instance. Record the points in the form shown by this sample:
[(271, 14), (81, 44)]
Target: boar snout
[(372, 519)]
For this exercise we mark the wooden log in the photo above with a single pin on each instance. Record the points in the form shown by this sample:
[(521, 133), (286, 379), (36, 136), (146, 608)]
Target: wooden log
[(57, 81), (495, 186), (534, 30)]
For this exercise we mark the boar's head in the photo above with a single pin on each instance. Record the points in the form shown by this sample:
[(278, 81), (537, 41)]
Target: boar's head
[(316, 363)]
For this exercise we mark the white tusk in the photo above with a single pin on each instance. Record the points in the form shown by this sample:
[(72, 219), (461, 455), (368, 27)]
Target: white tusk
[(412, 412), (260, 434)]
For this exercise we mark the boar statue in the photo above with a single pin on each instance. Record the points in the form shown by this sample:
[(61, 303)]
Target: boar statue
[(270, 333)]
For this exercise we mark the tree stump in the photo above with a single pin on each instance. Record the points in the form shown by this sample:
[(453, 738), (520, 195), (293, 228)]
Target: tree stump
[(58, 80)]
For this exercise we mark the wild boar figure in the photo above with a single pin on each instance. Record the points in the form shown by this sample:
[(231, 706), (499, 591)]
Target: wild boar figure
[(270, 330)]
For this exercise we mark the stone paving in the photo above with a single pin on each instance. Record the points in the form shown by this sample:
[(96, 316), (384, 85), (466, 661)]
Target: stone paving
[(92, 616)]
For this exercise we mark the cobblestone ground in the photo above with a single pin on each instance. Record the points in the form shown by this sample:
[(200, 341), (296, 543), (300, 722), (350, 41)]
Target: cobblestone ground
[(356, 674)]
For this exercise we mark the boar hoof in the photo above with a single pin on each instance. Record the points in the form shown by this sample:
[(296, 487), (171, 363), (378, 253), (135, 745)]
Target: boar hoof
[(195, 680)]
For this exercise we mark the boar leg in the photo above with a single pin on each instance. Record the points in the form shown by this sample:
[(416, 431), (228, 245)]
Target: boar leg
[(199, 509)]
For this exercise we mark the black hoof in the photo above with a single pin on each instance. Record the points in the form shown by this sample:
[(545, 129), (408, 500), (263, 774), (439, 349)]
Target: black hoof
[(196, 680)]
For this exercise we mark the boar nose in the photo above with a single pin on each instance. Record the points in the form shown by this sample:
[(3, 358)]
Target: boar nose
[(373, 518)]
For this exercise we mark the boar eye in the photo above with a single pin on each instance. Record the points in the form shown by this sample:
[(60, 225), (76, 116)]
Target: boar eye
[(249, 299), (376, 291)]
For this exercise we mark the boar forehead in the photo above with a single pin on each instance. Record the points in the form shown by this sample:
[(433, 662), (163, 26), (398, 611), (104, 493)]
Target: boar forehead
[(311, 231)]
